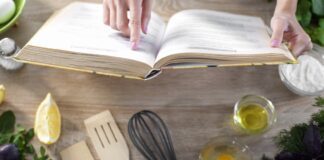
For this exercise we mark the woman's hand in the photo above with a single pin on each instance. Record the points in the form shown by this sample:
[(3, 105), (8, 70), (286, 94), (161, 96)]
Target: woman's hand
[(115, 15), (286, 28)]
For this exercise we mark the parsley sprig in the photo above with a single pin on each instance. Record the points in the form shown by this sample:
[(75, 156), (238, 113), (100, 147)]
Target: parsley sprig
[(10, 133), (319, 102)]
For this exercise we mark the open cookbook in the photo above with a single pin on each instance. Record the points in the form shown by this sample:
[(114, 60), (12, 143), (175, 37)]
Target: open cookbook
[(76, 38)]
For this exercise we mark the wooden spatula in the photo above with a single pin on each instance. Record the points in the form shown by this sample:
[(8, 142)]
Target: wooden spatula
[(106, 137)]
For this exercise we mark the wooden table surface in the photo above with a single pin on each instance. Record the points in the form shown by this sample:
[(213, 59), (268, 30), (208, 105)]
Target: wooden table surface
[(196, 104)]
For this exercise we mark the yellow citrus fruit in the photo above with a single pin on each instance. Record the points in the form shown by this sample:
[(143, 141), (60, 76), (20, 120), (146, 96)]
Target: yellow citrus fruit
[(2, 93), (48, 121)]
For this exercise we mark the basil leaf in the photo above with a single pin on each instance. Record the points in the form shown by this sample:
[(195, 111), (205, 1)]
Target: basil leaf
[(321, 22), (30, 149), (42, 151), (7, 122), (319, 33), (4, 138), (318, 7), (303, 13), (29, 135), (312, 141)]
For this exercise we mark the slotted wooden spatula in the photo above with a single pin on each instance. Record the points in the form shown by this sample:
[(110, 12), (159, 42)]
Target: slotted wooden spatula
[(106, 137)]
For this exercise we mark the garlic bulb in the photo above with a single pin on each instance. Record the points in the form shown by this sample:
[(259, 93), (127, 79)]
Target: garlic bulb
[(7, 10)]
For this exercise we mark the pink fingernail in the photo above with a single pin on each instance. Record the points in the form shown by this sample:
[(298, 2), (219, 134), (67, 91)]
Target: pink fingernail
[(145, 29), (275, 43), (134, 46)]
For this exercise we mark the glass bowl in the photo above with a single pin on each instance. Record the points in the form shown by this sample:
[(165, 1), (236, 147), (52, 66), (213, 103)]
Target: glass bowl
[(20, 4), (225, 148), (254, 114)]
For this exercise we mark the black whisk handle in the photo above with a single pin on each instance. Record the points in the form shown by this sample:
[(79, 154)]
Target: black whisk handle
[(151, 136)]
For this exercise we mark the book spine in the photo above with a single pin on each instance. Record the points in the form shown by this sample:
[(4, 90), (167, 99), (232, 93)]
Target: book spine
[(152, 74)]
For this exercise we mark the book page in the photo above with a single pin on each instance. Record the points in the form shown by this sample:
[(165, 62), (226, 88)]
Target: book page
[(79, 28), (211, 32)]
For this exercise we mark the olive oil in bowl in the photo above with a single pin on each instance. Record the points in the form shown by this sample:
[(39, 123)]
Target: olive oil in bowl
[(254, 114)]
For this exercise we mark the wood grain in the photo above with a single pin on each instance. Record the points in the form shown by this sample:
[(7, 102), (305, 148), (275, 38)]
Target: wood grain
[(196, 104)]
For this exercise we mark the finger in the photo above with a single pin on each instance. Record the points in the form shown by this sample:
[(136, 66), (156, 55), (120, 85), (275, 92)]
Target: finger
[(278, 25), (122, 20), (135, 22), (105, 12), (146, 14), (112, 14), (300, 45), (288, 36)]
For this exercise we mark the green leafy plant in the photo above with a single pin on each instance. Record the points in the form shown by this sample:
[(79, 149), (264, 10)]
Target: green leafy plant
[(10, 133), (304, 141), (310, 14), (292, 140), (319, 102)]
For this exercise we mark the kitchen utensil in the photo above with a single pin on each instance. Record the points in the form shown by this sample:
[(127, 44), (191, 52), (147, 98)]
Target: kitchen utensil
[(107, 139), (78, 151), (151, 136)]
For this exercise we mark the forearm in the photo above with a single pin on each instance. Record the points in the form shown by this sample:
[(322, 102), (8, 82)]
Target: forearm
[(286, 7)]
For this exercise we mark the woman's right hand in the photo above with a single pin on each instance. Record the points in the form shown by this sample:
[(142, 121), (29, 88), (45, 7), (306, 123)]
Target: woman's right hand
[(115, 15)]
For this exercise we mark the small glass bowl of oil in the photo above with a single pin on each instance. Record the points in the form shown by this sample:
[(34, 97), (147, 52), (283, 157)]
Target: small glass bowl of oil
[(224, 148), (254, 114)]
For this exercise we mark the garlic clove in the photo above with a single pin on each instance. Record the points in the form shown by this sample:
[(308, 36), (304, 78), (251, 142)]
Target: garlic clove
[(7, 10)]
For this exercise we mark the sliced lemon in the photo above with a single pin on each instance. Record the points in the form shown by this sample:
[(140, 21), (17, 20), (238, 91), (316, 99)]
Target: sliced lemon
[(48, 121), (2, 93)]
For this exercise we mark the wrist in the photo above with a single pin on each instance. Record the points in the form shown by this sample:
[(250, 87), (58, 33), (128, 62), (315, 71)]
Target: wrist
[(286, 8)]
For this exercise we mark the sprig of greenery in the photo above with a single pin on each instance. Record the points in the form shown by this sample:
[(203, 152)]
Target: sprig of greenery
[(319, 102), (42, 156), (292, 140), (18, 135), (310, 14)]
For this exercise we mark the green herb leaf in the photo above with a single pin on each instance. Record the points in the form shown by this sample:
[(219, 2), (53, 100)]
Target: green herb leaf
[(303, 13), (18, 136), (320, 35), (30, 149), (321, 22), (292, 140), (318, 7), (29, 135), (42, 151), (319, 102), (7, 122), (4, 138)]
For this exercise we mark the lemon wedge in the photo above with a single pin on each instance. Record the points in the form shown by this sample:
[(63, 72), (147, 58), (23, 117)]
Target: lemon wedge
[(2, 93), (48, 121)]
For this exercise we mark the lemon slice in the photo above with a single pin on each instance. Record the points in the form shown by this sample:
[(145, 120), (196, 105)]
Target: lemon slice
[(48, 121), (2, 93)]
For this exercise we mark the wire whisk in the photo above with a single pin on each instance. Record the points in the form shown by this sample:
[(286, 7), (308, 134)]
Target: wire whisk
[(151, 136)]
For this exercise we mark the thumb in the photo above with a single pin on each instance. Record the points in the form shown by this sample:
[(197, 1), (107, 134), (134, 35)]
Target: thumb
[(279, 26)]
